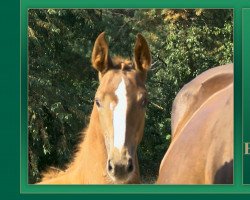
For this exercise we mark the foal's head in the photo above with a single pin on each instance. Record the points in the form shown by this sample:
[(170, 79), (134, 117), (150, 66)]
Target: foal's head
[(120, 100)]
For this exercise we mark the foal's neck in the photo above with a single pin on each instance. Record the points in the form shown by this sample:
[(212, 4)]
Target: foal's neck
[(91, 158)]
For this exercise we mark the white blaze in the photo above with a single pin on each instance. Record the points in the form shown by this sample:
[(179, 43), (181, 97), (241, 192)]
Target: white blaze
[(119, 115)]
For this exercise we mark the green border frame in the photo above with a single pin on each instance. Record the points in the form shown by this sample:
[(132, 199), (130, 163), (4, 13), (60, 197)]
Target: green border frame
[(236, 188), (246, 95)]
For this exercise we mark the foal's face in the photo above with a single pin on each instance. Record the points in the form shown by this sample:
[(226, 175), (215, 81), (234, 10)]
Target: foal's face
[(120, 100)]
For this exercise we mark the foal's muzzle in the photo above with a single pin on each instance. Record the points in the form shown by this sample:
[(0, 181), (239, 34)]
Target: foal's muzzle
[(120, 170)]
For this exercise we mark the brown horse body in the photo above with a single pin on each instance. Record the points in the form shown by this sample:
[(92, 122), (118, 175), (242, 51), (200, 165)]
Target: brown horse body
[(108, 153), (201, 151)]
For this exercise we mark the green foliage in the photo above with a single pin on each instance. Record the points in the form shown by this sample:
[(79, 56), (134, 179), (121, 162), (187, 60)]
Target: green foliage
[(62, 83)]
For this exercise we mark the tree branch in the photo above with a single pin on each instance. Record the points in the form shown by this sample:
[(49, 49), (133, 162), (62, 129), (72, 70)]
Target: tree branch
[(156, 105)]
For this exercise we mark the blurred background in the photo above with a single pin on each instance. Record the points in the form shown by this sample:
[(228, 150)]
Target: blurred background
[(62, 83)]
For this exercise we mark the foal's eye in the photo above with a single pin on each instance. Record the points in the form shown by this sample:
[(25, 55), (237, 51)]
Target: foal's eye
[(98, 102), (144, 102)]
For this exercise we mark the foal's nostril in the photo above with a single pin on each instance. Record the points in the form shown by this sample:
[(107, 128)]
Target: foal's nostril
[(130, 166), (110, 166)]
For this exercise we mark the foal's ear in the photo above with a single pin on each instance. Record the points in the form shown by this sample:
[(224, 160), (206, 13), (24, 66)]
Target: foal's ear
[(142, 54), (100, 57)]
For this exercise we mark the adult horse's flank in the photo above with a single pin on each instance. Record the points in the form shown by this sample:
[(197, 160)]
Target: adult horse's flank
[(108, 153), (201, 151)]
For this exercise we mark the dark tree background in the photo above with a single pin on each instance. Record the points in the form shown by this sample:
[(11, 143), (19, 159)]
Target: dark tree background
[(62, 83)]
